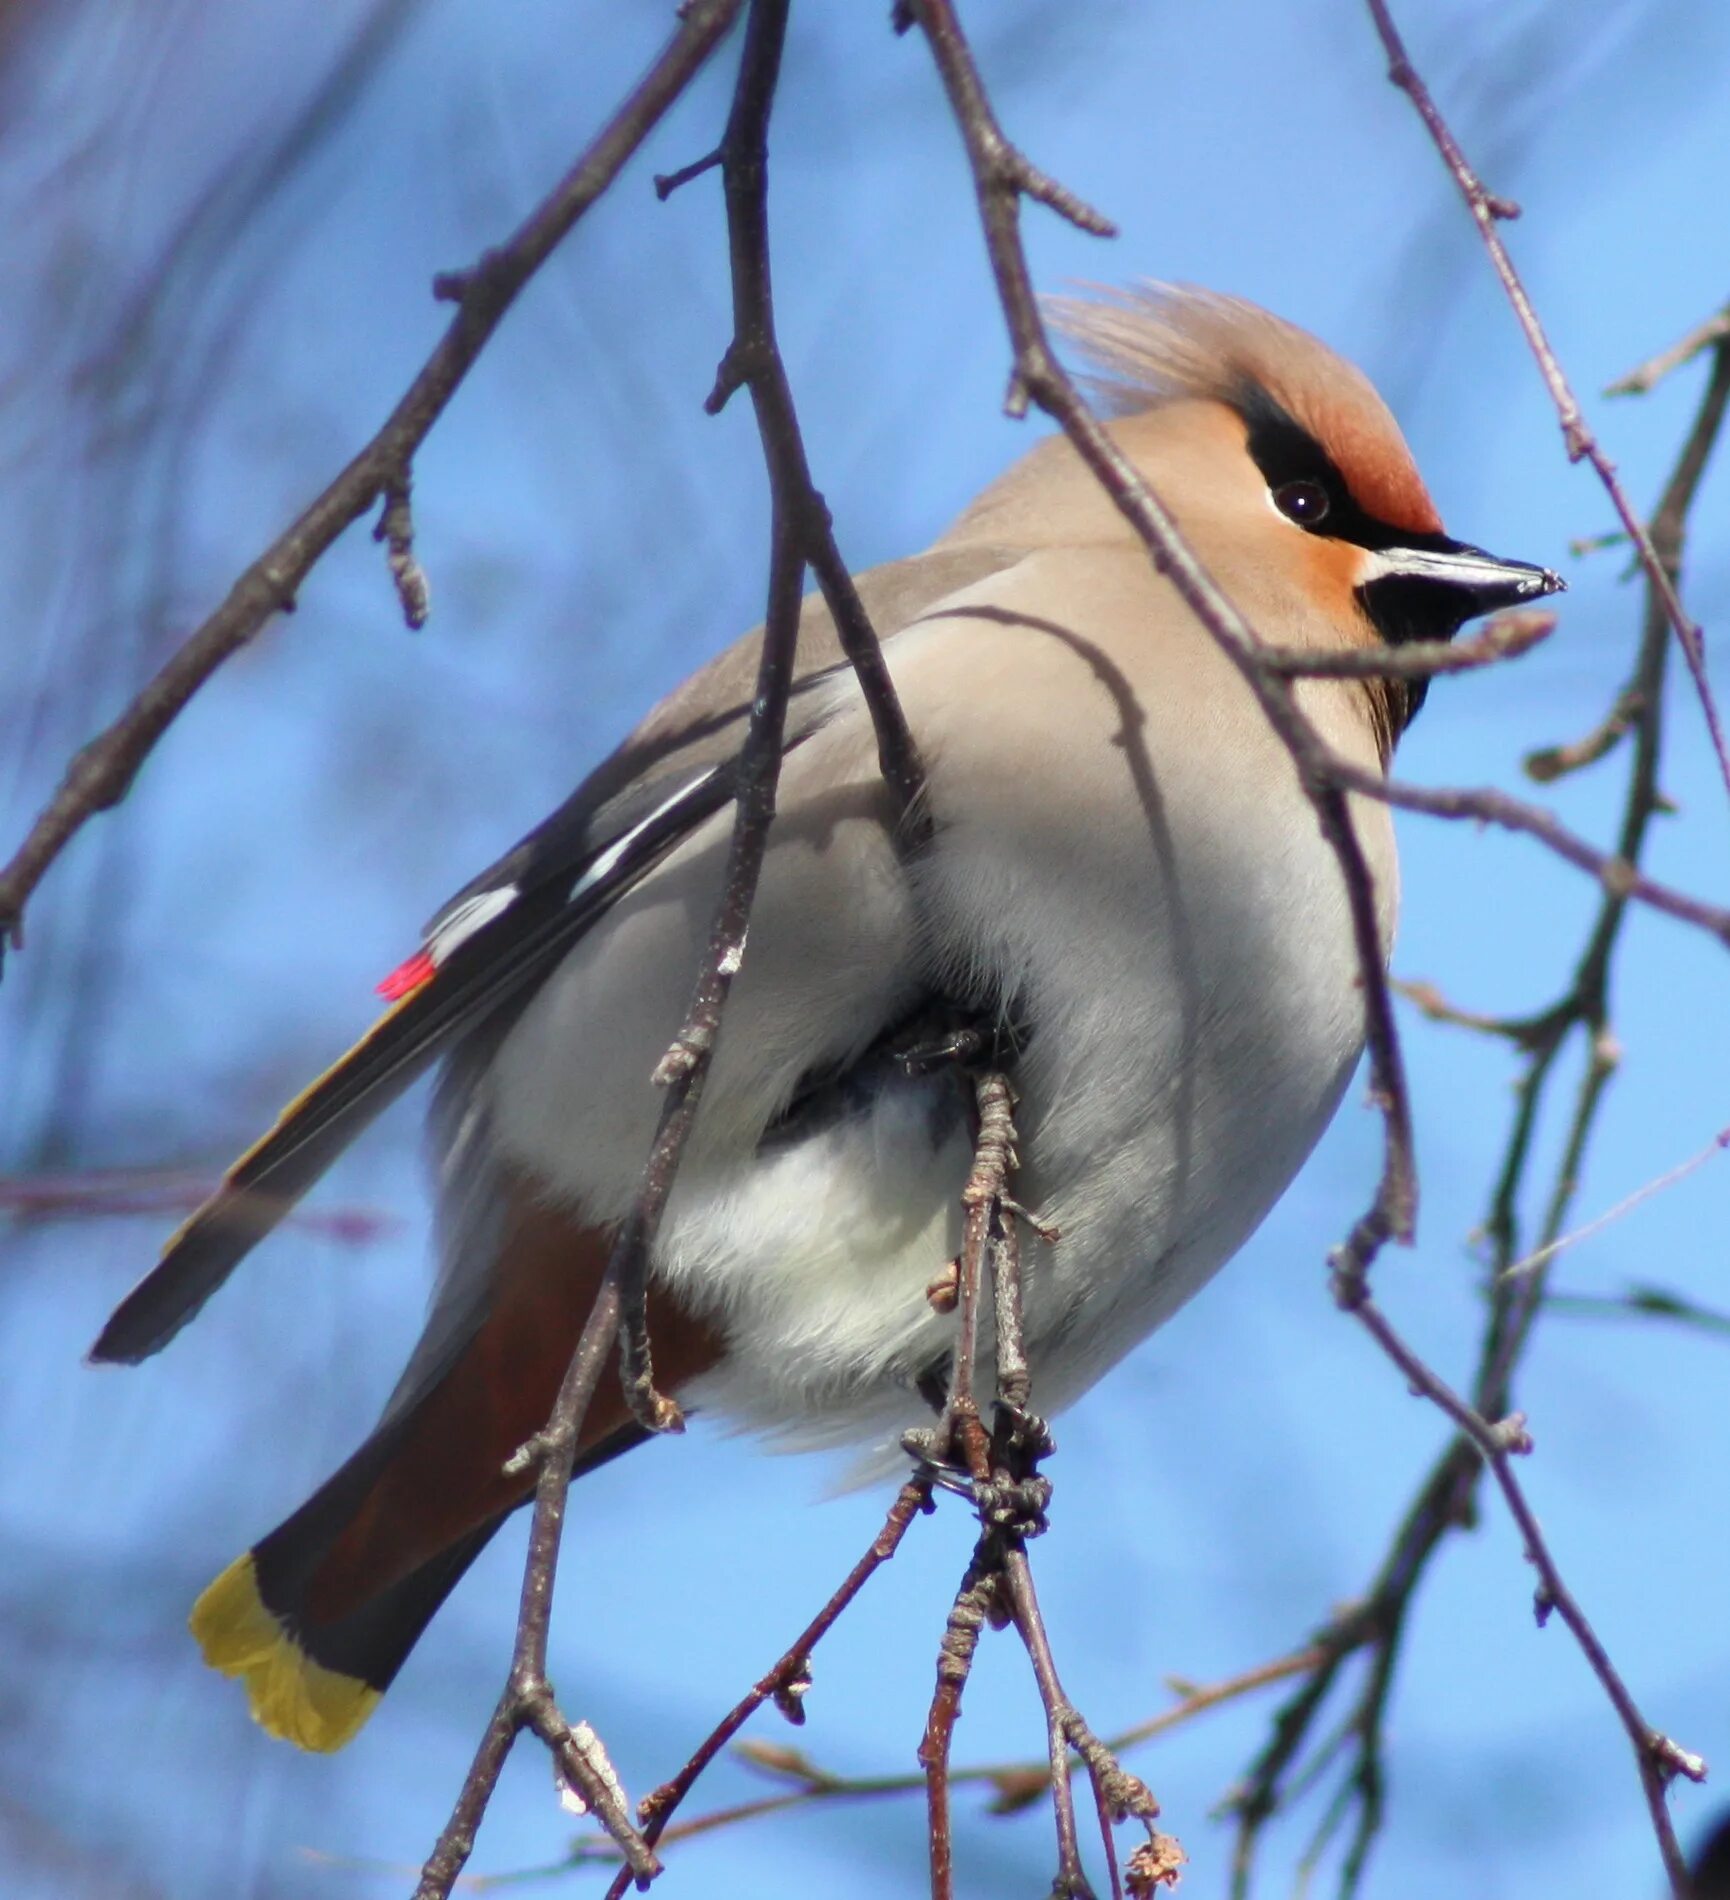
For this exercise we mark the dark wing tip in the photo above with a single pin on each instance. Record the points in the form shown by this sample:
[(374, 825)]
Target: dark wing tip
[(193, 1265), (129, 1338), (135, 1330)]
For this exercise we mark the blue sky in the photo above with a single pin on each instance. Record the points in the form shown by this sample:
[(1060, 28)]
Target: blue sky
[(590, 535)]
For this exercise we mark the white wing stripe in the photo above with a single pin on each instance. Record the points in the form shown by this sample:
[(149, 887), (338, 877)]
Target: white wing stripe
[(602, 867), (472, 914)]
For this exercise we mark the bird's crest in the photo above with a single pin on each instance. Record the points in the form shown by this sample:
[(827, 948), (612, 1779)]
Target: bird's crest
[(1160, 343)]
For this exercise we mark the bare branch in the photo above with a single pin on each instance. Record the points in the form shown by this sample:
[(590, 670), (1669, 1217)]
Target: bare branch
[(104, 1193), (802, 536), (102, 772), (1615, 873), (527, 1700), (1015, 1786), (1427, 998), (657, 1809), (1582, 444), (685, 1066), (1551, 762), (1647, 377), (1542, 1256), (1660, 1759), (753, 360), (1504, 638), (1640, 1302), (961, 1630)]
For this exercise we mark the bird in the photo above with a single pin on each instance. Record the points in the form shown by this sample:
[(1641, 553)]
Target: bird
[(1118, 883)]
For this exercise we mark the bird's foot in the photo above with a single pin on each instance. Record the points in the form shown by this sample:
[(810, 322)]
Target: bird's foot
[(1014, 1506), (1020, 1440)]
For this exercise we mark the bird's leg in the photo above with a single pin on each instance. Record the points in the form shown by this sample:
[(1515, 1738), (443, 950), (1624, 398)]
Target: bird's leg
[(978, 1036), (937, 1049), (945, 1034)]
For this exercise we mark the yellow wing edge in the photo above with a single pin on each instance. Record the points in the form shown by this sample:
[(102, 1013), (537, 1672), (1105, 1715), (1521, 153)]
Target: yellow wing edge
[(231, 1181)]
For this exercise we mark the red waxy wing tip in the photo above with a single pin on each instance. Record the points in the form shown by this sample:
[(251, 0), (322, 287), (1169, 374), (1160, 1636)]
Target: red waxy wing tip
[(408, 977)]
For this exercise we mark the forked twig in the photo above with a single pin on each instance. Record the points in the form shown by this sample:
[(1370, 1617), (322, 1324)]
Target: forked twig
[(1641, 381), (787, 1681), (1582, 443), (527, 1701), (1015, 1785), (102, 772)]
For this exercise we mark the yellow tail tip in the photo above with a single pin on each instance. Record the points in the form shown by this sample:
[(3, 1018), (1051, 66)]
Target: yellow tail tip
[(291, 1696)]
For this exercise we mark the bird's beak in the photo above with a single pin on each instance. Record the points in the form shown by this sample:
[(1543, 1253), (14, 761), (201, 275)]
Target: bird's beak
[(1474, 582)]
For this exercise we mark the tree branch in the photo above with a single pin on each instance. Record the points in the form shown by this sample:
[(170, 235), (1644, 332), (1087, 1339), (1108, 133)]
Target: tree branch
[(1504, 638), (800, 533), (527, 1701), (102, 772), (785, 1683), (803, 536), (999, 174), (1582, 444)]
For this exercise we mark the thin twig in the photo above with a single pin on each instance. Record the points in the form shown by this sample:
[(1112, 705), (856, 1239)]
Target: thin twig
[(1542, 1256), (753, 360), (105, 1193), (1644, 379), (685, 1067), (1504, 638), (1660, 1758), (1427, 998), (657, 1809), (682, 1073), (102, 772), (1012, 1500), (1639, 1302), (1614, 871), (1548, 763), (1582, 444), (1015, 1785), (961, 1629), (1071, 1882), (527, 1700), (801, 536)]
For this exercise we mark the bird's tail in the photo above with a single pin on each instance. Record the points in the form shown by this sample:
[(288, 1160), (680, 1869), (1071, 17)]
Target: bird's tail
[(317, 1618), (309, 1682)]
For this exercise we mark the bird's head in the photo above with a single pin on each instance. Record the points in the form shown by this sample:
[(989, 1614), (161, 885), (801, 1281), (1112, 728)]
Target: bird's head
[(1289, 473)]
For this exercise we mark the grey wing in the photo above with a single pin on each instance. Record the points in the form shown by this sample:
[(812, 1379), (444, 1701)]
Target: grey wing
[(484, 951)]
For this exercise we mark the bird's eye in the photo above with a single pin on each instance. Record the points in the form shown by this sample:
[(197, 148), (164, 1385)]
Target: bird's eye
[(1306, 503)]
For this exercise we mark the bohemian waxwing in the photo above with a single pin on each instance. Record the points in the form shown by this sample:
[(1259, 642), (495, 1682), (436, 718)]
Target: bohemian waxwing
[(1123, 882)]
